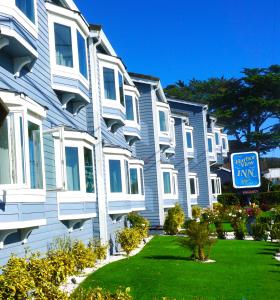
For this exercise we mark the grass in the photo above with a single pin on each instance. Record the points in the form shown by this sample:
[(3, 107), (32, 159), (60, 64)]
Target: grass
[(226, 225), (243, 270)]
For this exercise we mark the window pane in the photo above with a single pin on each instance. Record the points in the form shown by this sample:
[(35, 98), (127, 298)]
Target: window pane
[(213, 186), (192, 186), (166, 183), (189, 139), (224, 144), (82, 54), (217, 140), (35, 159), (89, 170), (109, 84), (210, 146), (162, 121), (27, 7), (137, 111), (115, 176), (133, 181), (127, 177), (142, 181), (129, 108), (22, 149), (63, 45), (175, 184), (121, 89), (72, 168), (5, 172)]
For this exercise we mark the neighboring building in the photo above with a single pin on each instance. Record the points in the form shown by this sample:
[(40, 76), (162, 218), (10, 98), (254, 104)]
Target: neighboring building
[(82, 141), (273, 175)]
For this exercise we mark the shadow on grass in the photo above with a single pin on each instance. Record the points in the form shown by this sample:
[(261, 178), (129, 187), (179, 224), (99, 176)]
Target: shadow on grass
[(168, 257), (268, 251)]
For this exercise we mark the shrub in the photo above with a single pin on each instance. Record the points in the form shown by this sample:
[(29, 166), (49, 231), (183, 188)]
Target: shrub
[(267, 199), (102, 294), (139, 222), (196, 211), (199, 240), (99, 250), (15, 282), (229, 199), (174, 220), (129, 239), (275, 231), (84, 256), (237, 217), (259, 231)]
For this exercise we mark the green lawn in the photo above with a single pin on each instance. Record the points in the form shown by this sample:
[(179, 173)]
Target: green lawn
[(243, 270)]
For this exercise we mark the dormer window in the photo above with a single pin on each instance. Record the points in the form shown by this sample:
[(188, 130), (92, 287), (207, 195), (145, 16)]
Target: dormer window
[(28, 8), (63, 45), (109, 84)]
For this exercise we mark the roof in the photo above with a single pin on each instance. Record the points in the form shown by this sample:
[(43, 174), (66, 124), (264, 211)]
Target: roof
[(143, 76), (186, 102)]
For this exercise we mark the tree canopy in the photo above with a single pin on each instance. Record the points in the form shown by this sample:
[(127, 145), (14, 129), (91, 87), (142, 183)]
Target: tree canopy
[(248, 107)]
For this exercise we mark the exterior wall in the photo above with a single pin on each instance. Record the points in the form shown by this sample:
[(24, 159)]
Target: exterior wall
[(37, 86)]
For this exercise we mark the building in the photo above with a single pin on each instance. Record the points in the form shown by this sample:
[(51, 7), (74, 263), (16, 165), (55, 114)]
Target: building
[(273, 175), (82, 141)]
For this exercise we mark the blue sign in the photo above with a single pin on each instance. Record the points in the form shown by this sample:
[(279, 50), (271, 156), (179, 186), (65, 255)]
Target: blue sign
[(245, 170)]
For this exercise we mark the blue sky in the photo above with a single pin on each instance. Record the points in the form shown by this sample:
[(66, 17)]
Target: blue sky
[(187, 39), (192, 38)]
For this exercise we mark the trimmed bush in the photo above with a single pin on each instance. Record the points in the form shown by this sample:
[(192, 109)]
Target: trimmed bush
[(196, 212), (99, 250), (102, 294), (174, 220), (129, 239), (139, 222), (229, 199), (267, 199)]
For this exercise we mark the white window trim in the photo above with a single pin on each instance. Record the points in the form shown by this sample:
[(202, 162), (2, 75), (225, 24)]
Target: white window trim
[(109, 102), (196, 185), (217, 185), (224, 137), (10, 8), (123, 159), (64, 71), (213, 154), (190, 151), (78, 140), (173, 174), (218, 146), (31, 111), (172, 133), (133, 123), (167, 120), (137, 164)]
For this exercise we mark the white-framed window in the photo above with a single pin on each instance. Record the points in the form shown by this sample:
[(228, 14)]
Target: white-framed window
[(136, 179), (24, 11), (131, 109), (216, 187), (163, 117), (169, 182), (194, 185), (189, 141), (68, 44), (21, 145), (211, 146), (225, 147), (172, 133), (74, 160), (217, 137)]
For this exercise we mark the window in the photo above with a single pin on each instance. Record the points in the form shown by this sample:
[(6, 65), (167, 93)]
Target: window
[(194, 187), (115, 176), (210, 145), (88, 159), (121, 89), (28, 8), (142, 181), (166, 183), (82, 54), (35, 158), (224, 144), (5, 168), (217, 138), (162, 121), (109, 84), (63, 45), (216, 185), (133, 181), (175, 184), (129, 108), (72, 168), (189, 140), (213, 185)]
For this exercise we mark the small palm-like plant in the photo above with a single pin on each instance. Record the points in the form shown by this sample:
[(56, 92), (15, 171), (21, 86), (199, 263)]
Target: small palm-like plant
[(199, 240)]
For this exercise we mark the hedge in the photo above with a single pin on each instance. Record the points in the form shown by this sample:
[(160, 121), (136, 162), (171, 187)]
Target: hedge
[(263, 199)]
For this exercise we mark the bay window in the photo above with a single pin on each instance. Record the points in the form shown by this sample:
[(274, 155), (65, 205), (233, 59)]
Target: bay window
[(189, 141), (129, 106), (170, 182), (28, 8), (224, 143), (109, 84), (82, 54), (136, 178), (121, 92), (115, 176), (134, 189), (216, 185), (210, 147), (21, 150), (210, 144), (74, 162), (217, 138), (163, 121), (194, 186), (63, 45)]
